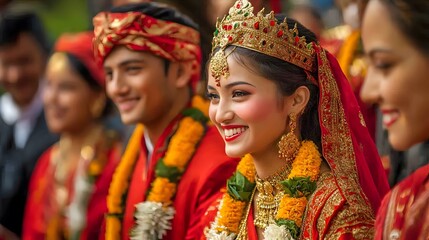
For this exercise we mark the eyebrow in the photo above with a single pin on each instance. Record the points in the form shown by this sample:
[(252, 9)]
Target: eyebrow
[(230, 85), (128, 61), (377, 50)]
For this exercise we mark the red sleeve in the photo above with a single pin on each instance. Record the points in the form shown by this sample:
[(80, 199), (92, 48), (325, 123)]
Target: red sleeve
[(33, 226), (216, 168), (208, 196)]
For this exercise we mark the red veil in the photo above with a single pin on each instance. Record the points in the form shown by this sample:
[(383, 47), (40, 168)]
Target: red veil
[(346, 143)]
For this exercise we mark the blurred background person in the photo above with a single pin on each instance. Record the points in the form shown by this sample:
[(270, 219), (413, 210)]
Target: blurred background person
[(309, 17), (24, 134), (351, 56), (68, 189), (395, 35)]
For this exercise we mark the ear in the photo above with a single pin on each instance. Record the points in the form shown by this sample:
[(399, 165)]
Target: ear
[(300, 99), (184, 73)]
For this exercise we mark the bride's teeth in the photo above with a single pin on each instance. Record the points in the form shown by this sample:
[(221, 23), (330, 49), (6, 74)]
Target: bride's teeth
[(235, 131)]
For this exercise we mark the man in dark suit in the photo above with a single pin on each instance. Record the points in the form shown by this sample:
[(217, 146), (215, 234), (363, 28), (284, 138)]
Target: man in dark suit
[(23, 131)]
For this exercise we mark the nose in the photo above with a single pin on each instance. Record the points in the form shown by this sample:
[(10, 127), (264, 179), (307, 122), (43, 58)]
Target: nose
[(13, 74), (116, 86), (50, 94), (223, 112), (370, 92)]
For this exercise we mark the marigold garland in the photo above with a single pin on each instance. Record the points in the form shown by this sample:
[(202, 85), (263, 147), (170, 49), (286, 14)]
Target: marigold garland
[(201, 104), (163, 188), (305, 170), (247, 168), (307, 162), (182, 145), (230, 215), (292, 209), (162, 191), (119, 185)]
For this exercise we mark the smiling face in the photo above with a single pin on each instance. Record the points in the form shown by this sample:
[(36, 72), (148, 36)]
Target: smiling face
[(67, 97), (397, 79), (21, 68), (247, 111), (139, 86)]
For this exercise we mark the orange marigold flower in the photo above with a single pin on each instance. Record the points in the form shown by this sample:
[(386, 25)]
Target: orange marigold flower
[(201, 104), (162, 191), (182, 145), (292, 209), (95, 168), (230, 214), (307, 162), (247, 168), (123, 171), (113, 228)]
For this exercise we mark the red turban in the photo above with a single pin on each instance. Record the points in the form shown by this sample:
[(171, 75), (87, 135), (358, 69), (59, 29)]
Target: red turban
[(140, 32), (80, 46)]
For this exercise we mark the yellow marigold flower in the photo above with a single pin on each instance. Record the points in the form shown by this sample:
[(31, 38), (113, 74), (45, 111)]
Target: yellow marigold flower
[(201, 104), (230, 214), (182, 145), (119, 182), (247, 168), (162, 191), (292, 209), (307, 162)]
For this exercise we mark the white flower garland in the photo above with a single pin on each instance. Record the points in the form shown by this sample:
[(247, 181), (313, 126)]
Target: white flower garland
[(214, 235), (275, 232), (152, 221)]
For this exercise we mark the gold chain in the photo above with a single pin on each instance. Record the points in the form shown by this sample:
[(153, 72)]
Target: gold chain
[(242, 231)]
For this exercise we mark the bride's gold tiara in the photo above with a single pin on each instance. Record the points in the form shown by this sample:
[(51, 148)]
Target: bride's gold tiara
[(259, 33)]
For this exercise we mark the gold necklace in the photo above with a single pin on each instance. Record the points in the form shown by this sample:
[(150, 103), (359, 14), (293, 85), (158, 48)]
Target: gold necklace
[(270, 193)]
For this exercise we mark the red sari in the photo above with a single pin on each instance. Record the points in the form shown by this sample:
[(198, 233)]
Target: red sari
[(404, 212), (37, 224)]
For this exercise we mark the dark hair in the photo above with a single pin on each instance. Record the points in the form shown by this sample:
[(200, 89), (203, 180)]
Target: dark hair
[(12, 25), (412, 18), (288, 78), (83, 71), (158, 11)]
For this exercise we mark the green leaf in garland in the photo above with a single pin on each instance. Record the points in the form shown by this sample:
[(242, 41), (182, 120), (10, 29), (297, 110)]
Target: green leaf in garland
[(239, 187), (195, 114), (299, 186), (172, 173), (291, 226)]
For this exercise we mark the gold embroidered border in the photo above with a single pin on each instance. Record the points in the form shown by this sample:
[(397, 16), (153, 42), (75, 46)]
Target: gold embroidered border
[(337, 143)]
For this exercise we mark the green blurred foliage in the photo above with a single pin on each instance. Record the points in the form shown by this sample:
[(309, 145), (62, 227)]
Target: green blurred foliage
[(65, 16)]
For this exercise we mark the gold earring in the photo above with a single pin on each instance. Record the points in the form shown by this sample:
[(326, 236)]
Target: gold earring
[(97, 107), (289, 143)]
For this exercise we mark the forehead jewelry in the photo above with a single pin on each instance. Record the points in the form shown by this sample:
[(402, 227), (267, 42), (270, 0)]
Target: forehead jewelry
[(219, 65)]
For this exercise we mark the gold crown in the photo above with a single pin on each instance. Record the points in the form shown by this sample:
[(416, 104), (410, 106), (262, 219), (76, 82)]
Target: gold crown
[(259, 33)]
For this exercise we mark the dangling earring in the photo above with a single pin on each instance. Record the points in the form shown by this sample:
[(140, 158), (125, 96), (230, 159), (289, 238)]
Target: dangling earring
[(97, 107), (289, 143)]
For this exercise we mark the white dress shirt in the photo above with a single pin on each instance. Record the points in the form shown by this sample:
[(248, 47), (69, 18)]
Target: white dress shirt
[(24, 119)]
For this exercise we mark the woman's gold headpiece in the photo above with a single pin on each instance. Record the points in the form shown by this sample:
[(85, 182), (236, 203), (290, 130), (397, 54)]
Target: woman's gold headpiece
[(259, 33)]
